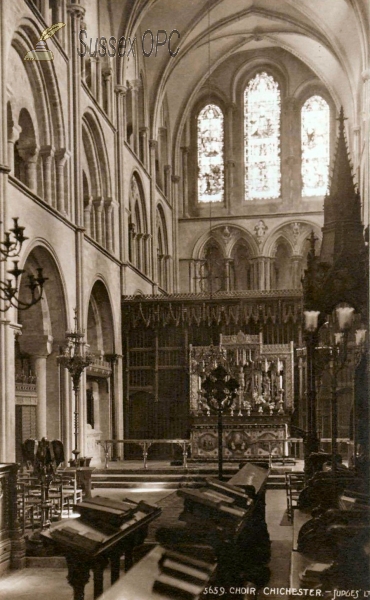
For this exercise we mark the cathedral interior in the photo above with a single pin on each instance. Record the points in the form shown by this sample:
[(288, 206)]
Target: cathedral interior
[(184, 210)]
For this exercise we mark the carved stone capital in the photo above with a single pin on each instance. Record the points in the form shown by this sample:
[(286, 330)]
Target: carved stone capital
[(120, 90), (153, 144), (76, 10), (175, 178)]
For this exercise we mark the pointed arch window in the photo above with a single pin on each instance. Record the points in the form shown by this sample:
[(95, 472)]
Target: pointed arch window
[(210, 138), (262, 110), (315, 138)]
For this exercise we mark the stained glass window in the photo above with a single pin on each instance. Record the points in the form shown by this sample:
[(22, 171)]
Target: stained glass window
[(262, 137), (315, 134), (210, 154)]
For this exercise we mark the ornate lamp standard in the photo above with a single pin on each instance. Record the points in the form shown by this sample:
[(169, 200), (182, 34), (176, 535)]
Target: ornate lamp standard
[(335, 348), (76, 360)]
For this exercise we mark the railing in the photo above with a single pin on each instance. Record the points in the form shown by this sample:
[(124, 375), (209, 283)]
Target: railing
[(145, 445)]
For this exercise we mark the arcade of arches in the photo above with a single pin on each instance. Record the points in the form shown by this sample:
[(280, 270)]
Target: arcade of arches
[(169, 200)]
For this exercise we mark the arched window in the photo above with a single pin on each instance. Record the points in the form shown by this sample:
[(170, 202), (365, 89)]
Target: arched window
[(315, 135), (262, 137), (210, 138), (138, 237), (162, 250)]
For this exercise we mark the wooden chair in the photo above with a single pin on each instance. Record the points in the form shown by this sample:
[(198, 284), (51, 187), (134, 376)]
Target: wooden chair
[(294, 483), (69, 482), (28, 506)]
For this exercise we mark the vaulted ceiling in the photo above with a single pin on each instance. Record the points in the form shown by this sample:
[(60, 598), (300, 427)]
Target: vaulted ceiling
[(329, 36)]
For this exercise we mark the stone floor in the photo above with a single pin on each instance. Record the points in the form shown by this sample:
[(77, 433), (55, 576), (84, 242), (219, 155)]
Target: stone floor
[(50, 583)]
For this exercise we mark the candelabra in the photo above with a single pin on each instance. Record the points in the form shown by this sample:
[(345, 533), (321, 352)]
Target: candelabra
[(219, 392), (11, 248), (333, 347), (75, 360)]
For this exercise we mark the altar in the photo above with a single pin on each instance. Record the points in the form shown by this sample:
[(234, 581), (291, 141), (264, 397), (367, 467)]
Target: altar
[(258, 421)]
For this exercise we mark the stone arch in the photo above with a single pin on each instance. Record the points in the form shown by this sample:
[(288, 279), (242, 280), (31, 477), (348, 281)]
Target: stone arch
[(98, 207), (281, 275), (43, 335), (44, 85), (162, 249), (138, 226), (100, 335), (242, 272)]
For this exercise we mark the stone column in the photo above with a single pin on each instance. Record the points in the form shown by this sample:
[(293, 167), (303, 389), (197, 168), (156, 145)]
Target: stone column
[(39, 347), (135, 84), (41, 412), (99, 86), (88, 205), (98, 208), (29, 153), (76, 13), (47, 153), (45, 10), (109, 224), (107, 77), (228, 285), (268, 273), (229, 181), (120, 91), (296, 271), (365, 75), (13, 136), (153, 145), (167, 182), (185, 183), (60, 161), (290, 150), (93, 62), (175, 179), (143, 132)]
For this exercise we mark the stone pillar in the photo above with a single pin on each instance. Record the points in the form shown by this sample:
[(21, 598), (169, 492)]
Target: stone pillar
[(175, 179), (98, 208), (228, 283), (47, 153), (60, 161), (153, 144), (254, 273), (88, 205), (296, 271), (268, 273), (135, 84), (13, 136), (167, 182), (146, 252), (99, 86), (229, 181), (109, 224), (29, 153), (76, 13), (93, 76), (290, 150), (45, 10), (120, 91), (143, 132), (39, 347), (185, 183), (41, 411), (107, 77)]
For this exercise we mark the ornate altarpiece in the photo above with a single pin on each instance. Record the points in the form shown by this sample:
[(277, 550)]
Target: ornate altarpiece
[(260, 416)]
